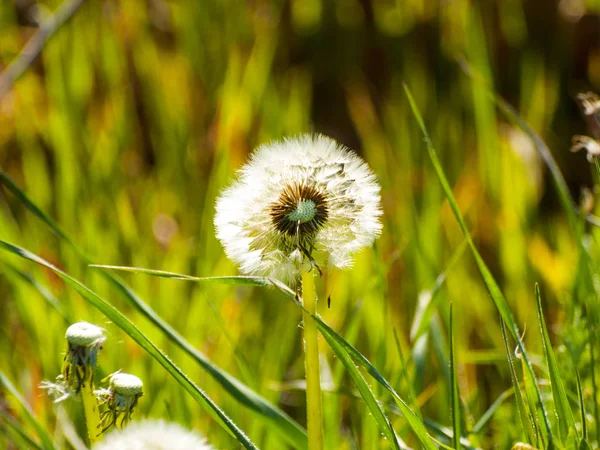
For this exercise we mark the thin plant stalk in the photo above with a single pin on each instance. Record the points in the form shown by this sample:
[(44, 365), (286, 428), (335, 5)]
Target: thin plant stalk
[(92, 414), (314, 415)]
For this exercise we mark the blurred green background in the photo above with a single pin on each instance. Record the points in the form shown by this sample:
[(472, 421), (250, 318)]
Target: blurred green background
[(138, 113)]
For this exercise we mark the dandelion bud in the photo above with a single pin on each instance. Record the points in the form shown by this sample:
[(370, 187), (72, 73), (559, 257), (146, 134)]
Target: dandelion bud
[(301, 201), (121, 397), (155, 434), (84, 342)]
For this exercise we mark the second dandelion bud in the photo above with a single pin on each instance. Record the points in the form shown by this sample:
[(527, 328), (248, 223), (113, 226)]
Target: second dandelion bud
[(297, 202)]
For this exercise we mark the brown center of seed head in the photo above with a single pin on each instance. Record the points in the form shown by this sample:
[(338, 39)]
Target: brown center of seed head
[(300, 210)]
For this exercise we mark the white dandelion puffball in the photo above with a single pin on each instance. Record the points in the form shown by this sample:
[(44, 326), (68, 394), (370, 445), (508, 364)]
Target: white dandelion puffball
[(153, 435), (301, 200)]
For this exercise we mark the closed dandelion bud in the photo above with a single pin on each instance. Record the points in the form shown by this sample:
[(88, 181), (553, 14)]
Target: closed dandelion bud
[(84, 340), (301, 202), (120, 398), (154, 434)]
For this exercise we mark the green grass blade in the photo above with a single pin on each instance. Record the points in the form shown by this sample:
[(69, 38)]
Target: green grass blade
[(17, 192), (584, 430), (508, 111), (456, 419), (47, 443), (423, 316), (365, 391), (415, 423), (566, 421), (241, 280), (122, 322), (595, 389), (327, 332), (490, 282), (487, 415), (527, 423), (410, 391), (277, 420), (44, 292), (14, 433)]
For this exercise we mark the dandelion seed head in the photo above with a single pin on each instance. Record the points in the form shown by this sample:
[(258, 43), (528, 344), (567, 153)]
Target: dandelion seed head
[(155, 435), (300, 200)]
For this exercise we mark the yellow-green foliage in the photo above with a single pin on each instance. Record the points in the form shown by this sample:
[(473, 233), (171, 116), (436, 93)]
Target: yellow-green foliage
[(138, 113)]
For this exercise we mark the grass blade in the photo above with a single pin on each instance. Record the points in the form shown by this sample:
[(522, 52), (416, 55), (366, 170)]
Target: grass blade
[(14, 433), (47, 443), (584, 430), (415, 423), (423, 315), (342, 346), (278, 421), (456, 420), (365, 391), (528, 424), (241, 280), (490, 282), (410, 391), (122, 322), (566, 421)]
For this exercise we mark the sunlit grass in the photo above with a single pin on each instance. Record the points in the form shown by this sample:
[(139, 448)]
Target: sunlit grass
[(115, 145)]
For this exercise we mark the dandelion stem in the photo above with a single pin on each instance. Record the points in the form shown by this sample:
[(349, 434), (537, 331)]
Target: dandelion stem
[(314, 416), (92, 414)]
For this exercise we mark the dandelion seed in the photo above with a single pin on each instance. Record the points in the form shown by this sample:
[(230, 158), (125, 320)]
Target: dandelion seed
[(154, 434), (58, 391), (590, 145), (297, 202), (121, 398)]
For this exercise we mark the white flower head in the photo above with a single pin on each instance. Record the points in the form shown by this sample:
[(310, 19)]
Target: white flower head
[(590, 145), (590, 103), (301, 200), (155, 435)]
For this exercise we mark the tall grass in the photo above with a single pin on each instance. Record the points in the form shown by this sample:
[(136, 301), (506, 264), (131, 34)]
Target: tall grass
[(114, 145)]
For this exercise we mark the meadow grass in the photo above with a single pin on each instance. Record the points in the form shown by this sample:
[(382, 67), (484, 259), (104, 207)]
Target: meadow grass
[(474, 320)]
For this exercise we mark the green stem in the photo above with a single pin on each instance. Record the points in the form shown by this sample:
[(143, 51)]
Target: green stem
[(314, 415), (92, 414)]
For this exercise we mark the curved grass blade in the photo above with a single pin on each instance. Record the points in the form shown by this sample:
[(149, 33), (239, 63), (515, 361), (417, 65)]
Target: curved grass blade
[(122, 322), (47, 443), (343, 346), (242, 280), (490, 282), (566, 421), (508, 111), (410, 391), (487, 415), (382, 421), (11, 429), (423, 316), (415, 423), (584, 430), (44, 292), (527, 423), (456, 419), (278, 421), (448, 434)]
